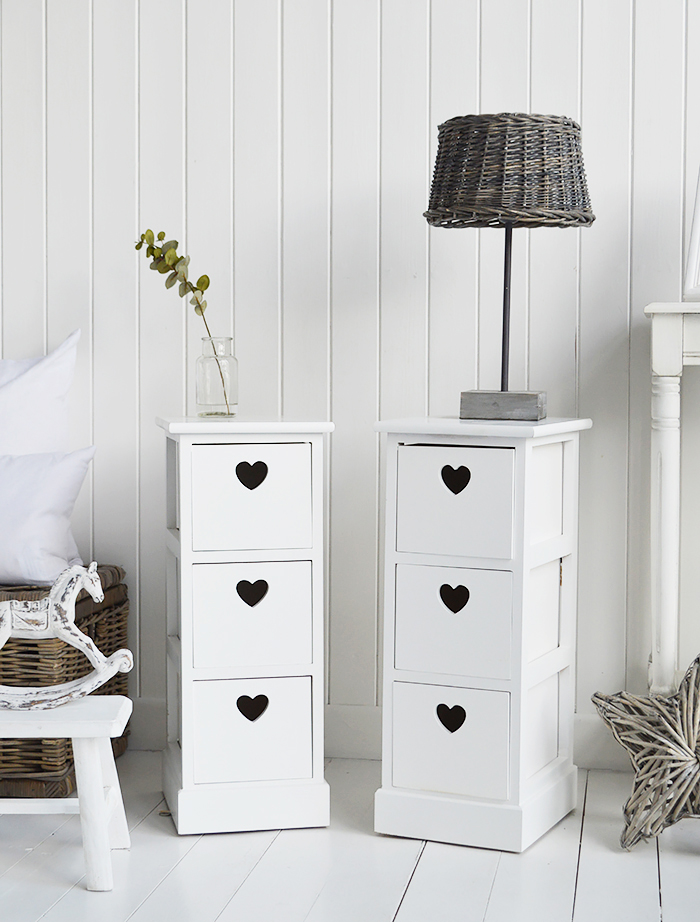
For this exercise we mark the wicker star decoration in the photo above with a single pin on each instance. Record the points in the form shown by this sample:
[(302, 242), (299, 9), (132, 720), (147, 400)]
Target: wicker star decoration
[(662, 737)]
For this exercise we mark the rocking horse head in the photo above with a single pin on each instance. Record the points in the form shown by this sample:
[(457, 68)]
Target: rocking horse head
[(72, 580)]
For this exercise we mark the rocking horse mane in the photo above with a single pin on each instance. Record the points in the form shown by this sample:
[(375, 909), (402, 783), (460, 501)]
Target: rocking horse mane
[(65, 576)]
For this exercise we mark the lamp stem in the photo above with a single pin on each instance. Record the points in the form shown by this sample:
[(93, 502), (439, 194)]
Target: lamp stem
[(505, 337)]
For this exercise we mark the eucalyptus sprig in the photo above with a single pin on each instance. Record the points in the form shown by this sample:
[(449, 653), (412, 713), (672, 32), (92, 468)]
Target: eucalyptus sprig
[(165, 260)]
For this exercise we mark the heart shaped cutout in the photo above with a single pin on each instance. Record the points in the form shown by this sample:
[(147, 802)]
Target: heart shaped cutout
[(252, 593), (252, 708), (455, 479), (451, 718), (251, 475), (454, 597)]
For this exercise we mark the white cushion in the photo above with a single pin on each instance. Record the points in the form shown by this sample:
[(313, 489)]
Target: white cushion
[(37, 495), (33, 401)]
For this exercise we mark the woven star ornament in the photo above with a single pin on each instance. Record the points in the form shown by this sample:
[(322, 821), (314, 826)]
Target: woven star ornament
[(661, 735)]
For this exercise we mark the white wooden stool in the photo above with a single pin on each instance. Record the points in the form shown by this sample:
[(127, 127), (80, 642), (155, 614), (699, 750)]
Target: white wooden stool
[(89, 723)]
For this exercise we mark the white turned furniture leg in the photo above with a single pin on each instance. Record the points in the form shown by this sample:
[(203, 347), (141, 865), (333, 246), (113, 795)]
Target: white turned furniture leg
[(93, 813), (118, 828), (665, 532)]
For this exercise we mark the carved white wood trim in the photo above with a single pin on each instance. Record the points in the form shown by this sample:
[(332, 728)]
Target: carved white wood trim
[(665, 531)]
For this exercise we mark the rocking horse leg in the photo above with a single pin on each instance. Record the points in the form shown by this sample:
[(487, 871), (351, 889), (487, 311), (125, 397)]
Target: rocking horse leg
[(68, 632)]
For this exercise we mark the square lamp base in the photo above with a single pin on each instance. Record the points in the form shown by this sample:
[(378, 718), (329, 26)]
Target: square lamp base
[(525, 405)]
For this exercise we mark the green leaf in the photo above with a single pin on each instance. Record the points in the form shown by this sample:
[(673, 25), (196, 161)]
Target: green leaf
[(151, 251), (171, 244), (171, 256), (184, 287), (139, 244), (194, 301), (163, 267), (149, 237), (161, 235), (199, 309), (171, 279), (156, 262), (203, 282)]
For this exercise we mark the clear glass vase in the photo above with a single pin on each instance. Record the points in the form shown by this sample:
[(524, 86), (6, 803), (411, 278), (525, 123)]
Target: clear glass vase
[(217, 378)]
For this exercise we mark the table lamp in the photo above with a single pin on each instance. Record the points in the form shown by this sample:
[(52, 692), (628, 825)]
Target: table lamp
[(508, 170)]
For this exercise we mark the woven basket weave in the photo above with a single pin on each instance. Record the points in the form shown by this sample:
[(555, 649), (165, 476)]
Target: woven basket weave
[(44, 768), (524, 170)]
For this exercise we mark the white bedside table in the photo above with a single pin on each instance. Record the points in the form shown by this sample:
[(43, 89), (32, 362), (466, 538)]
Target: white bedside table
[(245, 604), (479, 629)]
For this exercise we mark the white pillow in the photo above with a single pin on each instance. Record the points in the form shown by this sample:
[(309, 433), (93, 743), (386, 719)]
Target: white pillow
[(37, 495), (33, 401)]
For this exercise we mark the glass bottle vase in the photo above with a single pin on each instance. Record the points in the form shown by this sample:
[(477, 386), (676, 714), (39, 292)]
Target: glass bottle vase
[(217, 378)]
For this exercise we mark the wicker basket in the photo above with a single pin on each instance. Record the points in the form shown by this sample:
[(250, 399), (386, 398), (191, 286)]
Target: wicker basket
[(44, 768)]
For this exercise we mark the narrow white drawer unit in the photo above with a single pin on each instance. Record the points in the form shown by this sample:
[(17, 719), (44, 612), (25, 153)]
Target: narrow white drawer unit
[(245, 613), (479, 620)]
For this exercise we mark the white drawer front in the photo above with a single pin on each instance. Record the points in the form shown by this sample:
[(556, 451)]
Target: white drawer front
[(251, 497), (453, 621), (456, 501), (464, 753), (252, 730), (251, 614)]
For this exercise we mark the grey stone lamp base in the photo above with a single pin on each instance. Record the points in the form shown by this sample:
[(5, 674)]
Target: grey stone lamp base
[(526, 405)]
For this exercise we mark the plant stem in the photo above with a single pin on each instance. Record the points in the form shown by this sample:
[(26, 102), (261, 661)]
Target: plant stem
[(218, 363)]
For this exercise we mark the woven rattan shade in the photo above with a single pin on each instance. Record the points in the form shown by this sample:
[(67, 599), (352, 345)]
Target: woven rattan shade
[(523, 170)]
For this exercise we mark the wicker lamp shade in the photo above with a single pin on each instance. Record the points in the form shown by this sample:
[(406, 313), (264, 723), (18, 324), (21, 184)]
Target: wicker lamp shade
[(509, 169)]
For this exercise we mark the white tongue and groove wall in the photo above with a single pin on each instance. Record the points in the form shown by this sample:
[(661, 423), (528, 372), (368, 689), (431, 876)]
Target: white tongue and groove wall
[(288, 145)]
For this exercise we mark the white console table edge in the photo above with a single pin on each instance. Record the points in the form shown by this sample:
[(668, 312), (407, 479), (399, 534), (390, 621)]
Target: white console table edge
[(675, 342)]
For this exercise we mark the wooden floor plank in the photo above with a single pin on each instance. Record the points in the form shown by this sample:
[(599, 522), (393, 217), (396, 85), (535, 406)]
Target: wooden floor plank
[(345, 873), (451, 883), (613, 883), (540, 883), (342, 874), (679, 858)]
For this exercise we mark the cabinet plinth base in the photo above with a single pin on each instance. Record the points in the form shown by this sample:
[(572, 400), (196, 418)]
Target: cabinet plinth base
[(249, 807), (442, 818)]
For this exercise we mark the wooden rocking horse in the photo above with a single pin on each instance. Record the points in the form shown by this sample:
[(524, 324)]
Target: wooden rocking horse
[(54, 616)]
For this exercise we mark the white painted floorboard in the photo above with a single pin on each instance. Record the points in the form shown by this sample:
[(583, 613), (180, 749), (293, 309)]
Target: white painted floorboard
[(346, 873)]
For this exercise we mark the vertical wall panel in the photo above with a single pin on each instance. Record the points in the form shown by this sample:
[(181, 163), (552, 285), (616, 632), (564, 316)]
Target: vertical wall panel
[(209, 227), (553, 269), (23, 179), (257, 204), (453, 330), (405, 180), (690, 388), (305, 203), (354, 260), (68, 217), (604, 360), (657, 258), (162, 360), (505, 87), (114, 295)]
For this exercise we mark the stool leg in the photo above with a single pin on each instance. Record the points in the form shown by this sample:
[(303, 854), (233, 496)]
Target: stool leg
[(118, 827), (93, 814)]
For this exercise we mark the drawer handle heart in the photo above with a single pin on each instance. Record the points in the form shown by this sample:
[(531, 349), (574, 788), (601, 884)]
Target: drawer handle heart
[(455, 479), (455, 598), (252, 708), (451, 718), (252, 593), (251, 475)]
